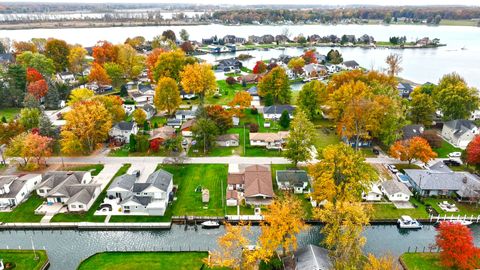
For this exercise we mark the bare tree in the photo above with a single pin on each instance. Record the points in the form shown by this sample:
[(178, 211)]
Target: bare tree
[(394, 61)]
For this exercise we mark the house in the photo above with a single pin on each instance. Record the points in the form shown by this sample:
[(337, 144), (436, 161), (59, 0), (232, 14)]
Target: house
[(396, 191), (232, 198), (459, 132), (274, 112), (248, 78), (404, 89), (366, 39), (254, 39), (14, 189), (139, 98), (267, 39), (253, 91), (310, 257), (281, 39), (184, 115), (6, 58), (231, 39), (175, 123), (423, 42), (66, 77), (350, 65), (148, 198), (121, 131), (296, 180), (373, 194), (227, 65), (228, 140), (186, 128), (149, 110), (73, 189), (129, 108), (235, 121), (269, 140), (161, 134), (410, 131), (253, 182), (314, 70), (146, 89), (185, 95)]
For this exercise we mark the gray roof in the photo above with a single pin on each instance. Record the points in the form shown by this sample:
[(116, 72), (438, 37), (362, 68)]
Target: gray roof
[(410, 131), (174, 122), (393, 186), (144, 87), (15, 186), (278, 109), (351, 64), (128, 126), (438, 180), (294, 177), (8, 179), (440, 166), (160, 179), (138, 199), (55, 178), (312, 258), (227, 137), (124, 181), (148, 108), (460, 126), (253, 91), (139, 187), (82, 193), (185, 112)]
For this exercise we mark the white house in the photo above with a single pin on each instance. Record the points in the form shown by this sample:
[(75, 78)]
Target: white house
[(350, 65), (121, 131), (232, 197), (396, 191), (373, 194), (149, 110), (296, 180), (129, 108), (269, 140), (228, 140), (459, 133), (15, 189), (184, 115), (274, 112), (66, 77)]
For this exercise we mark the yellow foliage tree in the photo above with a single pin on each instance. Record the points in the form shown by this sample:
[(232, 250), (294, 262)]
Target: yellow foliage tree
[(242, 99), (79, 94), (139, 116), (167, 96), (198, 79), (114, 106), (387, 262), (131, 62), (76, 59)]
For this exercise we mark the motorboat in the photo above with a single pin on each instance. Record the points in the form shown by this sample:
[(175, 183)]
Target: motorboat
[(406, 222), (210, 224)]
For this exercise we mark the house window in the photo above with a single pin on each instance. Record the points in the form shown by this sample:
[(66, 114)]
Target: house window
[(80, 206), (145, 194), (40, 191), (399, 195), (73, 206)]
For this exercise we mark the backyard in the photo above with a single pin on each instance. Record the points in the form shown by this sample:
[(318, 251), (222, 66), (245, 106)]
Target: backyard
[(421, 261), (446, 149), (389, 211), (24, 212), (226, 91), (24, 259)]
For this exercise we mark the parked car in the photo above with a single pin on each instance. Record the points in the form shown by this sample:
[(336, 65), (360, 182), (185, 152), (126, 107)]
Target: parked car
[(452, 162), (184, 142), (136, 173), (376, 150), (455, 154), (392, 168)]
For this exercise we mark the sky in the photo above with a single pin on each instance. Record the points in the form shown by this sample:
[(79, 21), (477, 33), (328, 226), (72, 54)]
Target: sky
[(280, 2)]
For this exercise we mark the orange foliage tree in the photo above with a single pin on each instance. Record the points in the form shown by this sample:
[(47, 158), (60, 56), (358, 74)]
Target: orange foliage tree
[(38, 88), (415, 148), (309, 57), (104, 52), (457, 249), (33, 75), (241, 99), (99, 75), (473, 151), (151, 61), (260, 67)]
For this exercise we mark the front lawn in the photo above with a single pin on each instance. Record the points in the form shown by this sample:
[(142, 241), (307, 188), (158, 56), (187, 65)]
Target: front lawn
[(402, 167), (389, 211), (24, 212), (94, 168), (24, 259), (9, 113), (446, 149), (421, 261), (144, 260), (226, 91)]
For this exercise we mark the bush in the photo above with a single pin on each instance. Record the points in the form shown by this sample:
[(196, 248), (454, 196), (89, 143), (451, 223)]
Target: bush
[(254, 111), (253, 127), (230, 81), (285, 119)]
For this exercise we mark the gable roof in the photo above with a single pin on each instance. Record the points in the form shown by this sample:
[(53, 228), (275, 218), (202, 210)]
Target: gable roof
[(148, 108), (160, 179), (410, 131), (124, 181), (278, 109), (296, 178), (228, 137), (188, 124), (439, 180), (393, 187), (258, 180), (269, 137), (460, 126), (125, 126), (351, 64), (312, 257), (164, 132), (82, 193)]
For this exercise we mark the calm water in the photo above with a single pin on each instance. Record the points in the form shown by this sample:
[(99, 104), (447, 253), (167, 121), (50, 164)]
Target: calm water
[(67, 249)]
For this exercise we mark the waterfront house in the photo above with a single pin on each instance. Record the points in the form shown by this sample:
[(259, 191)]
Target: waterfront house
[(308, 258), (281, 39), (229, 64), (404, 89), (314, 70), (248, 78), (459, 132), (121, 131), (72, 189), (274, 112), (254, 39), (396, 191), (269, 140), (410, 131), (14, 189), (228, 140), (253, 182), (149, 110), (231, 39), (296, 180), (366, 39), (186, 128), (267, 39), (350, 65), (184, 115), (373, 194), (148, 198), (232, 197)]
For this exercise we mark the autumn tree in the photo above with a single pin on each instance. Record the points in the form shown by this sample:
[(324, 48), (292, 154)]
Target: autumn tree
[(79, 94), (130, 61), (40, 44), (260, 67), (77, 62), (9, 130), (23, 46), (169, 34), (242, 99), (387, 262), (300, 139), (311, 97), (169, 64), (221, 117), (276, 85), (114, 72), (33, 75), (114, 105), (28, 146), (394, 62), (103, 52), (167, 95), (334, 57), (139, 116), (99, 75), (205, 132), (296, 65), (151, 61), (198, 79), (30, 117), (416, 148), (87, 124), (454, 98), (135, 42), (309, 57), (38, 61), (187, 47), (473, 151), (38, 88), (422, 107), (457, 250), (58, 50)]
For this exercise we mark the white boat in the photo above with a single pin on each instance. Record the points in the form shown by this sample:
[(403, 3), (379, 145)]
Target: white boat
[(210, 224), (460, 221), (406, 222)]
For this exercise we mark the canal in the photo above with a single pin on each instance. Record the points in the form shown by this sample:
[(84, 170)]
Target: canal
[(67, 248)]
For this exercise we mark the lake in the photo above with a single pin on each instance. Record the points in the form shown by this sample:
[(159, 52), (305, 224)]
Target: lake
[(462, 53)]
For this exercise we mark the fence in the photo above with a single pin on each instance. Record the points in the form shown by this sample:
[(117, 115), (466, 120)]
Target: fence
[(472, 218)]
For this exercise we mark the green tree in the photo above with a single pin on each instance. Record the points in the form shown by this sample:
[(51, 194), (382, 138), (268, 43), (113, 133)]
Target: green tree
[(30, 117), (276, 83), (142, 143), (139, 116), (38, 61), (205, 132), (132, 143), (454, 98), (184, 35), (311, 97), (31, 101), (46, 128), (284, 119), (422, 107), (17, 83), (114, 72), (334, 57), (300, 139), (52, 98), (58, 50)]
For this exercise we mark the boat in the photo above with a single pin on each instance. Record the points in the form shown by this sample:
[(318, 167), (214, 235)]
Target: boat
[(460, 221), (406, 222), (210, 224)]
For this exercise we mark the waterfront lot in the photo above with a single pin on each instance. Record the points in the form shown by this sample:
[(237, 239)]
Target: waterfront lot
[(24, 212), (24, 259), (422, 261)]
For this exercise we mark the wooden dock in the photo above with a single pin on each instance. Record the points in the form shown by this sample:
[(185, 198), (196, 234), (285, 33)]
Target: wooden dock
[(87, 226)]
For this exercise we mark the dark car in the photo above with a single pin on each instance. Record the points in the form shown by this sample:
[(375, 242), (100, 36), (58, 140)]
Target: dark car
[(451, 162)]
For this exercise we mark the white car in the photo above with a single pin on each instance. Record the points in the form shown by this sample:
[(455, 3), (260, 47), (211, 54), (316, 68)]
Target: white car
[(392, 168), (455, 154)]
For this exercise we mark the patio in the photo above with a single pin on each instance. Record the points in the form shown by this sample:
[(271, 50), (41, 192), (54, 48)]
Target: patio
[(50, 209), (116, 209)]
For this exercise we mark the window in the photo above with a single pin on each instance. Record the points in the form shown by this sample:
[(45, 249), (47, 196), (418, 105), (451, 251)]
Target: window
[(145, 194), (80, 206), (73, 206)]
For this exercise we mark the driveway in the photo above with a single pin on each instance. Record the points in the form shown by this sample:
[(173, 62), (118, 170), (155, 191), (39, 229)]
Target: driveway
[(104, 177)]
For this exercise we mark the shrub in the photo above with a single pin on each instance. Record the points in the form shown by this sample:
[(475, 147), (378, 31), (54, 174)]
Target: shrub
[(253, 127), (230, 81), (254, 111)]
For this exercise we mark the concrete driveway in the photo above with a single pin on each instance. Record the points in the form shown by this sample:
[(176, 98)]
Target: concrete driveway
[(104, 177), (145, 170)]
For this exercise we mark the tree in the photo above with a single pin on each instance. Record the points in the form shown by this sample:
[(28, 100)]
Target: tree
[(40, 44), (99, 75), (114, 105), (87, 124), (132, 63), (52, 99), (387, 262), (169, 34), (310, 57), (33, 75), (276, 84), (29, 145), (31, 101), (260, 67), (187, 47), (422, 107), (13, 95), (301, 40), (151, 61), (23, 46), (473, 151), (311, 97), (221, 117), (79, 94), (230, 81), (169, 64), (184, 35), (394, 61), (300, 139), (10, 130), (198, 79), (38, 61), (334, 57), (103, 52), (205, 132), (415, 148), (58, 50), (45, 128), (30, 117), (284, 119), (433, 139), (38, 88), (76, 59), (242, 99), (114, 72), (135, 42), (454, 98), (457, 250), (296, 65), (167, 95), (139, 116)]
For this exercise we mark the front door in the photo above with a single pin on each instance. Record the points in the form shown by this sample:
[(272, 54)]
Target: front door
[(118, 195), (59, 200)]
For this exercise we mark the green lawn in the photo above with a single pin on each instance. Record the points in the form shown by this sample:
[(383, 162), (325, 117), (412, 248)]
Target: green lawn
[(9, 113), (24, 212), (88, 216), (403, 167), (227, 92), (446, 149), (94, 168), (458, 22), (421, 261), (388, 211), (464, 208), (24, 259), (144, 260), (160, 121)]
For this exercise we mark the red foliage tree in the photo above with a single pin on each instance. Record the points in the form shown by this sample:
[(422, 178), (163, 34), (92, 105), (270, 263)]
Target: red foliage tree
[(473, 151), (272, 66), (187, 47), (151, 61), (99, 75), (457, 249), (260, 67), (33, 75), (38, 88), (104, 52), (221, 117), (155, 145), (309, 57), (231, 81)]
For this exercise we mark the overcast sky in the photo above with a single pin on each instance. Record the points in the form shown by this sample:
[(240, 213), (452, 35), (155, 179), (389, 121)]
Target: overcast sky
[(282, 2)]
